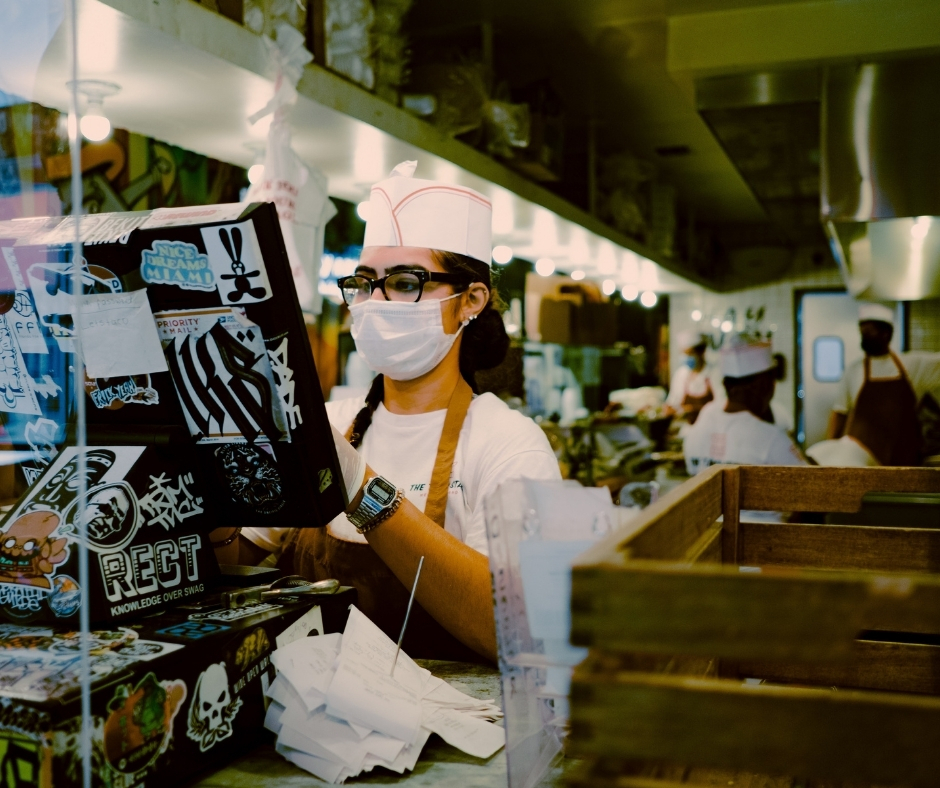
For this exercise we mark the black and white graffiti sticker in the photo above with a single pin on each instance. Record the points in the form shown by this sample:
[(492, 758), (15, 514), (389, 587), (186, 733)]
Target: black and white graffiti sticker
[(284, 382), (23, 319), (213, 708), (17, 392), (236, 261), (222, 375)]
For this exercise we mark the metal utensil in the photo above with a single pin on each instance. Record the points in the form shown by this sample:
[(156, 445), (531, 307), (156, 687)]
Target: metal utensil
[(290, 586)]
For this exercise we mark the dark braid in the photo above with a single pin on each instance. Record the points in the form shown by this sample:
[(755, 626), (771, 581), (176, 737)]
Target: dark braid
[(484, 344), (364, 417)]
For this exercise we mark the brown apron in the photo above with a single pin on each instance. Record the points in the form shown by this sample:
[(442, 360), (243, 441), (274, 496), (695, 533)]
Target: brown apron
[(316, 554), (695, 404), (884, 418)]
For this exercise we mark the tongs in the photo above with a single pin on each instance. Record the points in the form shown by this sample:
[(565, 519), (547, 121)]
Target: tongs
[(289, 586)]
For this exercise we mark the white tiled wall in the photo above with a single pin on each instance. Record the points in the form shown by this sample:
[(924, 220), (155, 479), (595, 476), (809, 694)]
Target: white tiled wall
[(777, 300), (925, 325)]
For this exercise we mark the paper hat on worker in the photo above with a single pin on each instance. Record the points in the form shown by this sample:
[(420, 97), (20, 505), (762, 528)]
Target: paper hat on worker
[(686, 340), (868, 310), (742, 355), (407, 211)]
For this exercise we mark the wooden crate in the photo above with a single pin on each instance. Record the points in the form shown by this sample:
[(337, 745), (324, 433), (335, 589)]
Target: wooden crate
[(678, 615)]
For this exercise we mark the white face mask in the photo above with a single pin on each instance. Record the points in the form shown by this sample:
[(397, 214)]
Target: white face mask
[(403, 341)]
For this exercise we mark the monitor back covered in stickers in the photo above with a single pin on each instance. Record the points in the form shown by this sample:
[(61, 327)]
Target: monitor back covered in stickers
[(196, 349)]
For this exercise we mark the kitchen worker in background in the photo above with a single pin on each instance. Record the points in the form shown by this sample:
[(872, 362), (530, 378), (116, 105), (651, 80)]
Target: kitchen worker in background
[(737, 430), (691, 387), (420, 452), (876, 407)]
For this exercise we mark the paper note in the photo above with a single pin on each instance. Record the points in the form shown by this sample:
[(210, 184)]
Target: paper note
[(119, 336), (310, 623), (308, 664), (475, 737)]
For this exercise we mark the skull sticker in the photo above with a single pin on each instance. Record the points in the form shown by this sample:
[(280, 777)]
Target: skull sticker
[(213, 708), (111, 514)]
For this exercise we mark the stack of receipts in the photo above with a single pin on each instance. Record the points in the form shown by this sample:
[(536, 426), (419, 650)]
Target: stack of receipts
[(337, 712)]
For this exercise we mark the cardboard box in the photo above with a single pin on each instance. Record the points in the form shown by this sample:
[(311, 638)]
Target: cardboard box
[(172, 697)]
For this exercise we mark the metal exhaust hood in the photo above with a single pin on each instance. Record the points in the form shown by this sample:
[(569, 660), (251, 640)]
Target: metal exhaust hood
[(880, 178)]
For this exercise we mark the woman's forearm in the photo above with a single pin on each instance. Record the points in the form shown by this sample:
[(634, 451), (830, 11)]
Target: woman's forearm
[(455, 586)]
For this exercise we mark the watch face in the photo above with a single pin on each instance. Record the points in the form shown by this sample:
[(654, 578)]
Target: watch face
[(382, 491)]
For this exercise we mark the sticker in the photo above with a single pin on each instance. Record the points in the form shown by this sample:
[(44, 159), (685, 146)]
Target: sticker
[(147, 650), (236, 614), (112, 515), (140, 724), (41, 437), (22, 760), (236, 260), (255, 645), (213, 708), (180, 217), (100, 641), (115, 393), (222, 375), (25, 325), (66, 596), (51, 285), (192, 630), (167, 505), (41, 676), (251, 477), (30, 550), (177, 263), (284, 383), (16, 386)]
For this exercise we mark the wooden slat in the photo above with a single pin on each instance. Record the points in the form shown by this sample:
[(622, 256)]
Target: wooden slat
[(866, 736), (840, 547), (703, 609), (707, 549), (731, 511), (892, 667), (814, 489), (668, 528)]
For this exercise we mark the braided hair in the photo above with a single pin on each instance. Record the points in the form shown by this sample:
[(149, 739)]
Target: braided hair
[(483, 346)]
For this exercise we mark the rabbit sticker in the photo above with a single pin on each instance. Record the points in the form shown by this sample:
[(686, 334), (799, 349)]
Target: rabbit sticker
[(236, 261)]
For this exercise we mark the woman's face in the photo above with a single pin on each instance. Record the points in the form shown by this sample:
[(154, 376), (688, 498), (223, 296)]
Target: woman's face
[(377, 262)]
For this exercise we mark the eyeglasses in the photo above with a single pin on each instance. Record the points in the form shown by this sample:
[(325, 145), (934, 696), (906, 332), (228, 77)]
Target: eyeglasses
[(405, 286)]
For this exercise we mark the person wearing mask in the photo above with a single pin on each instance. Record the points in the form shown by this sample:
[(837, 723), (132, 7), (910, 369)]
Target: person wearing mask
[(876, 407), (737, 431), (421, 452), (691, 387)]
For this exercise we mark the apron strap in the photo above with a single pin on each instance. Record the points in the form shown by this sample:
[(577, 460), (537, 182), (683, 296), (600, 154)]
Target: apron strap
[(436, 505)]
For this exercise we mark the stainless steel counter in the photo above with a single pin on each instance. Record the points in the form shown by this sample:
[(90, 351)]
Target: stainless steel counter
[(439, 765)]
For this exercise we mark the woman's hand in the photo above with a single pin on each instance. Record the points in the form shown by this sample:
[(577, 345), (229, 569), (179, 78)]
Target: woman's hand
[(351, 464)]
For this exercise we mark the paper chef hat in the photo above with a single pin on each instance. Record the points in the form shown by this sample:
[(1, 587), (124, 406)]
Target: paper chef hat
[(686, 340), (742, 355), (407, 211), (868, 310)]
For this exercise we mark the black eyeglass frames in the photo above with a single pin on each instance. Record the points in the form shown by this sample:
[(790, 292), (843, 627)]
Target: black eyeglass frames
[(403, 286)]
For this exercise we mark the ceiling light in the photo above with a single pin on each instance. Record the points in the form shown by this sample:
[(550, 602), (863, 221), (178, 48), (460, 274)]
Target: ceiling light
[(630, 266), (577, 275), (649, 299), (363, 210), (630, 292), (255, 173), (696, 315), (545, 266), (726, 326), (502, 254), (608, 287), (716, 322), (606, 259), (93, 123)]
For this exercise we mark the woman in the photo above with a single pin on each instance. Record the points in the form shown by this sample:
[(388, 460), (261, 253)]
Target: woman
[(424, 317), (691, 386)]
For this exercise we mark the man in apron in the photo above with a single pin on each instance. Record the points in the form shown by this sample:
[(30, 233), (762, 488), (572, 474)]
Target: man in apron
[(876, 408)]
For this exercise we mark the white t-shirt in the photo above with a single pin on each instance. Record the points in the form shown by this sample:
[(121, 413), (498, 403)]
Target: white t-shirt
[(736, 438), (923, 371), (495, 444)]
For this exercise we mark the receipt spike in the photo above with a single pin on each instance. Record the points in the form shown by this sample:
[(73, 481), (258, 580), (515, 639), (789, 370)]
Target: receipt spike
[(404, 626)]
